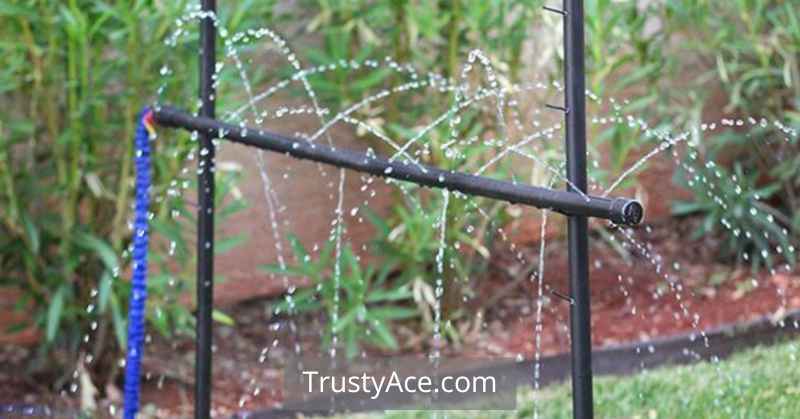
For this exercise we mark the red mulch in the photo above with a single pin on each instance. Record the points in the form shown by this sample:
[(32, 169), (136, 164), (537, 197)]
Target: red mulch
[(632, 302)]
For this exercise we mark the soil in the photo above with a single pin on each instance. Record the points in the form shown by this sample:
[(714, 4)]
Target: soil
[(639, 299)]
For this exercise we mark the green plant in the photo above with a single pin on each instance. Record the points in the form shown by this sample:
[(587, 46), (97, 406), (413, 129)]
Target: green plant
[(360, 304), (732, 203), (752, 56), (409, 241), (75, 74), (174, 256), (627, 67)]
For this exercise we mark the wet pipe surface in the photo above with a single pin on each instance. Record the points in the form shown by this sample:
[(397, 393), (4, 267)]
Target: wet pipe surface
[(618, 210)]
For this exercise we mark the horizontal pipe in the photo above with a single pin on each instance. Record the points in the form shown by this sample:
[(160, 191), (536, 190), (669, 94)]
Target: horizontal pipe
[(618, 210)]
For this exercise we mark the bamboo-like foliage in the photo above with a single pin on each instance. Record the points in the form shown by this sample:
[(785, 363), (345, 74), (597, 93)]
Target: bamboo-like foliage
[(74, 76)]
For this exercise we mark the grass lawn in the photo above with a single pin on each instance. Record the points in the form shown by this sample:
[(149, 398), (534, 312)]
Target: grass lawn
[(759, 383)]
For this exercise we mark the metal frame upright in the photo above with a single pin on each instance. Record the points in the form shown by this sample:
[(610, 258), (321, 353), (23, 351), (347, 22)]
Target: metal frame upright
[(205, 215), (578, 229)]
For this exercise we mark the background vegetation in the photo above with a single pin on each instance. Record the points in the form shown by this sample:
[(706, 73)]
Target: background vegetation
[(747, 49), (745, 53), (75, 74)]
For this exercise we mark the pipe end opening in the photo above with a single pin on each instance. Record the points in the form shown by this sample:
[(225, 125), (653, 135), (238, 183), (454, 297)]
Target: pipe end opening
[(632, 213)]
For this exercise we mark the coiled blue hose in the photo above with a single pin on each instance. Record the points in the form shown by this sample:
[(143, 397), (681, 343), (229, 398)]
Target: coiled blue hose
[(138, 297)]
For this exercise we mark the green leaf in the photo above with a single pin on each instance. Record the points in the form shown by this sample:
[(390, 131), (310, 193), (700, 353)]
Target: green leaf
[(382, 295), (119, 322), (237, 205), (100, 248), (104, 292), (377, 221), (685, 208), (223, 318), (170, 230), (384, 334), (19, 11), (32, 232), (160, 321), (229, 243), (347, 319), (300, 252), (373, 79), (55, 311), (288, 270), (393, 313)]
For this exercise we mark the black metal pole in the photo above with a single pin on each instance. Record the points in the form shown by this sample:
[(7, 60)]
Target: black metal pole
[(578, 228), (618, 210), (205, 217)]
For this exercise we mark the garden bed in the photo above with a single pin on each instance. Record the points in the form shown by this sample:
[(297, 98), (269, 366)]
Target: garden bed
[(243, 383), (712, 294)]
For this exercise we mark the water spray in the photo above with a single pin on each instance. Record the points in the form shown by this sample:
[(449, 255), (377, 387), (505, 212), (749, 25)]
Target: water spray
[(573, 202)]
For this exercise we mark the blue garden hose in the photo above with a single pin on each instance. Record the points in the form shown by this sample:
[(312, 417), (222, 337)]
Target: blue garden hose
[(138, 297)]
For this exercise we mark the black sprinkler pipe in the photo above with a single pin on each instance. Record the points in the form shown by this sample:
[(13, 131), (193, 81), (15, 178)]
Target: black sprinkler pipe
[(618, 210), (578, 225), (205, 216)]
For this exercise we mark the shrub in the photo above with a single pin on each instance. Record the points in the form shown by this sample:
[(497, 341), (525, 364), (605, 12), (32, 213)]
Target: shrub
[(730, 204), (359, 308), (753, 51), (75, 74)]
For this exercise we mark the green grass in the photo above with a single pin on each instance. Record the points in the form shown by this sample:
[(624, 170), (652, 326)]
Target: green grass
[(759, 383)]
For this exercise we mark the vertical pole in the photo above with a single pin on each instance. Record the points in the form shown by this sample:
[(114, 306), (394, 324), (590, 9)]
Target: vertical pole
[(205, 217), (578, 230)]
